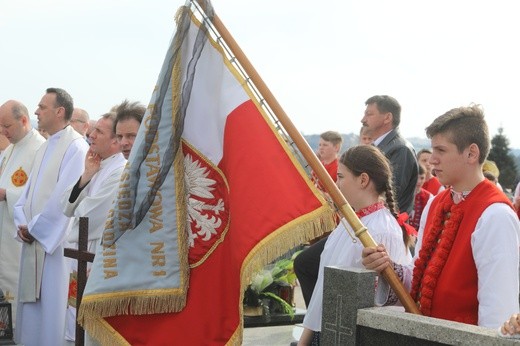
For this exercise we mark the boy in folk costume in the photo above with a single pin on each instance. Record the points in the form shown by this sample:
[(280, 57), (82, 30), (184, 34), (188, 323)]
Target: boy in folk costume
[(467, 264), (328, 151)]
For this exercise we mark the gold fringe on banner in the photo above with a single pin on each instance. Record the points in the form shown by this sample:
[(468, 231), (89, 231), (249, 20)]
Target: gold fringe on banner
[(278, 243), (292, 234)]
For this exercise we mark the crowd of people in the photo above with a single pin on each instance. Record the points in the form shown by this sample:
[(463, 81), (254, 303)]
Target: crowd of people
[(462, 230), (68, 168), (441, 221)]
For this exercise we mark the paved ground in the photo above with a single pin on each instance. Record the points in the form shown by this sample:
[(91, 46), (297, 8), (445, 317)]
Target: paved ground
[(268, 336)]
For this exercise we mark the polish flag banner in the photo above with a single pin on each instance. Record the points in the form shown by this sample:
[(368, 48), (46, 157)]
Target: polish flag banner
[(211, 194)]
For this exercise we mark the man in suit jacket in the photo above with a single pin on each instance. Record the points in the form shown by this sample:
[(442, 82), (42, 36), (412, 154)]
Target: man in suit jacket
[(381, 122)]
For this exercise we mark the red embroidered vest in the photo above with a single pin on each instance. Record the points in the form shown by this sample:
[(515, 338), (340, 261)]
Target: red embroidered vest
[(445, 280)]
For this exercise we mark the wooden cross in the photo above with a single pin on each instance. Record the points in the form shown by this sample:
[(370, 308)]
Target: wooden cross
[(83, 256)]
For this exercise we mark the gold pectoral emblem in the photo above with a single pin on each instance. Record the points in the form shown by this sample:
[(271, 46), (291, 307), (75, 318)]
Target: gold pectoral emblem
[(19, 178)]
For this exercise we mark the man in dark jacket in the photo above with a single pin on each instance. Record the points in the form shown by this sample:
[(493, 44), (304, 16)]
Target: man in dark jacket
[(381, 122)]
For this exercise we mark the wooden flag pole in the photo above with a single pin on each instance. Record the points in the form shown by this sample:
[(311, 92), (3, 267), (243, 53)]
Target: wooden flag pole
[(338, 199)]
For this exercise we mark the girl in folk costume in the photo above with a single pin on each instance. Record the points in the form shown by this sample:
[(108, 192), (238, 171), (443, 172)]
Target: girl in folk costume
[(468, 260), (365, 179), (422, 197)]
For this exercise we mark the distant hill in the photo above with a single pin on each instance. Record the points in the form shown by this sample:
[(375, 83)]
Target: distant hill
[(349, 140), (352, 139)]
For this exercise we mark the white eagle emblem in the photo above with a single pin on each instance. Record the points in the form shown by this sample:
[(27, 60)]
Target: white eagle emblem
[(203, 218)]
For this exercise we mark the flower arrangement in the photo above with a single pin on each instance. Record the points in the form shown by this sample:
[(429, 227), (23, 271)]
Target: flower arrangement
[(273, 286)]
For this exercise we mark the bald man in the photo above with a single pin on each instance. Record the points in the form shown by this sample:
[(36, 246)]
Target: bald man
[(15, 164), (91, 126), (80, 121), (4, 142)]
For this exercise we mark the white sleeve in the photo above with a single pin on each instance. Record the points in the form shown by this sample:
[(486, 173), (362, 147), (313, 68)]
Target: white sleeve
[(405, 274), (422, 223), (495, 248), (68, 207), (97, 205), (18, 212), (403, 267)]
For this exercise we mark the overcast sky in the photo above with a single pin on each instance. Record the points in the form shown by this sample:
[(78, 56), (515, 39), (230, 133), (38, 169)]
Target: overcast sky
[(321, 59)]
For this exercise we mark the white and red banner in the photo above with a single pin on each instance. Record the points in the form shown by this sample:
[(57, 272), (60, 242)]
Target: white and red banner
[(211, 194)]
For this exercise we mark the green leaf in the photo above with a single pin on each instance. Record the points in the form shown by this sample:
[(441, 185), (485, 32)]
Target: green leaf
[(277, 272), (283, 263), (286, 307), (295, 254), (291, 278)]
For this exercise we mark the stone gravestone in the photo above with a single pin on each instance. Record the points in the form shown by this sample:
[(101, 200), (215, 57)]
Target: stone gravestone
[(344, 292), (349, 318)]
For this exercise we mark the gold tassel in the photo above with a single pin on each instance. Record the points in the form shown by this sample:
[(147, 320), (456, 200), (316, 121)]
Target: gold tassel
[(296, 232)]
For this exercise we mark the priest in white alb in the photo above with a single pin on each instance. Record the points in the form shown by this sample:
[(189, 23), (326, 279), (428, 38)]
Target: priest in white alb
[(42, 226), (91, 196), (15, 165)]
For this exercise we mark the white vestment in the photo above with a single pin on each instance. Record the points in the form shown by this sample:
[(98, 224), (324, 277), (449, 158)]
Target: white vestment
[(58, 164), (15, 166), (94, 202), (341, 251)]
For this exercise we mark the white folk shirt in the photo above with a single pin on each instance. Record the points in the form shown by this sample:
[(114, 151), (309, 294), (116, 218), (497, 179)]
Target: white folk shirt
[(341, 251), (37, 323), (15, 166)]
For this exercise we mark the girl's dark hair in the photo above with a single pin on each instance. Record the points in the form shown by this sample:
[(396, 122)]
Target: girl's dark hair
[(370, 160)]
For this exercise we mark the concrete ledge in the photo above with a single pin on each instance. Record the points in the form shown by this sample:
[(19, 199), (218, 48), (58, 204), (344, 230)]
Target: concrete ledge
[(429, 329)]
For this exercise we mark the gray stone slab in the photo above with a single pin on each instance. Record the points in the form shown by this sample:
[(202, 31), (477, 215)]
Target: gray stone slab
[(345, 291), (422, 330)]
